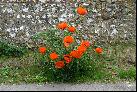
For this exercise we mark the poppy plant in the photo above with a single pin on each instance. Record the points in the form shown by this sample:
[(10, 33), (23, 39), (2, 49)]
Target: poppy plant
[(59, 64), (99, 50), (53, 56), (71, 29), (42, 50), (82, 49), (85, 43), (68, 40), (76, 54), (67, 58), (62, 25), (81, 11)]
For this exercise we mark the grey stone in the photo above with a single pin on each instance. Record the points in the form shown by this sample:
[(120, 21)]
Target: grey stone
[(70, 87)]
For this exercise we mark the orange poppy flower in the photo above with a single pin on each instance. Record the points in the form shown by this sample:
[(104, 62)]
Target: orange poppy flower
[(66, 44), (99, 50), (85, 43), (82, 49), (53, 56), (68, 40), (76, 54), (62, 25), (42, 50), (71, 29), (81, 11), (67, 58), (59, 64)]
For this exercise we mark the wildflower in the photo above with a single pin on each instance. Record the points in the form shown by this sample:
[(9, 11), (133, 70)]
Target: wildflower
[(85, 43), (81, 11), (53, 56), (99, 50), (62, 25), (67, 58), (81, 49), (68, 40), (42, 50), (59, 64), (66, 44), (76, 54), (71, 29)]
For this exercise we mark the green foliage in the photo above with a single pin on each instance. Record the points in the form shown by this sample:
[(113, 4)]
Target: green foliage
[(5, 71), (127, 74), (70, 72), (8, 49)]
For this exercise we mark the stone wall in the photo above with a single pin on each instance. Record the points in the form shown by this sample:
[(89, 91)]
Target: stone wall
[(107, 20)]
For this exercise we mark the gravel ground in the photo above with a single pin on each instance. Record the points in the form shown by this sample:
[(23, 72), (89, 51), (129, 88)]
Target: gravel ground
[(70, 87)]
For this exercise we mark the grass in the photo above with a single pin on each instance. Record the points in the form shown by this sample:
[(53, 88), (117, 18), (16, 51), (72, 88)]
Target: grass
[(27, 69), (127, 74), (32, 74)]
